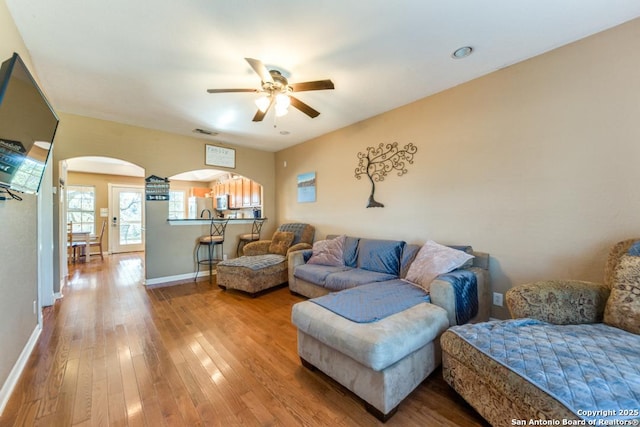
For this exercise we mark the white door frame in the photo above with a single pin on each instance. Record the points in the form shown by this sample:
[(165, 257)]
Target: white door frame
[(112, 209)]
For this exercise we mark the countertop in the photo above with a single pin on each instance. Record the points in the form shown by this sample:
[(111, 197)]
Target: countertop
[(200, 221)]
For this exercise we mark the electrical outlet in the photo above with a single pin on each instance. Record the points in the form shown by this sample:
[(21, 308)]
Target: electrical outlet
[(35, 309), (497, 299)]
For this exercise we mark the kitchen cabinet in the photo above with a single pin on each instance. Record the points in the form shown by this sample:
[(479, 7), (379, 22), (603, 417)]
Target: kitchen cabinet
[(200, 191), (256, 194), (243, 192), (246, 192), (235, 191)]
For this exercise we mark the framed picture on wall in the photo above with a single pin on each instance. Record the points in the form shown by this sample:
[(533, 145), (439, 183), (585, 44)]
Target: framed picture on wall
[(220, 156), (307, 187)]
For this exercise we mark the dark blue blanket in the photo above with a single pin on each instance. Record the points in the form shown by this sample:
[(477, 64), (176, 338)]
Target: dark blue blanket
[(465, 286), (375, 301)]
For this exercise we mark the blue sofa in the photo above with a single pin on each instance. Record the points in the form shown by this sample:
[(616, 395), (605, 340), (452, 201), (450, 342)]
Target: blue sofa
[(376, 260), (384, 360)]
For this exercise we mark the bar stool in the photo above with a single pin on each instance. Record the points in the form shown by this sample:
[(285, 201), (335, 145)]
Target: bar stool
[(214, 239), (243, 239)]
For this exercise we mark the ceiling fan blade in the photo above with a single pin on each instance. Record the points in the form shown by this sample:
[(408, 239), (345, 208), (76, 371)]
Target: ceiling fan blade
[(304, 107), (260, 69), (260, 115), (317, 85), (230, 90)]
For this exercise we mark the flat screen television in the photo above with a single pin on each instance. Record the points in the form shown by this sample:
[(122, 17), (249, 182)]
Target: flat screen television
[(27, 127)]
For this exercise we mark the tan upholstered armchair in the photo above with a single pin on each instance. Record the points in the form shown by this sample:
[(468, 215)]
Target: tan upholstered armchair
[(287, 238), (264, 264), (564, 302)]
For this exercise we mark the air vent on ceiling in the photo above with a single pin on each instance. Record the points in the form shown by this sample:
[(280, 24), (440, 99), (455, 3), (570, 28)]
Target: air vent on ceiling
[(205, 132)]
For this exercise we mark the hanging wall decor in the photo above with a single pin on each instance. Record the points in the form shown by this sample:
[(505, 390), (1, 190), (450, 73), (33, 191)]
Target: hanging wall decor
[(307, 187), (378, 161)]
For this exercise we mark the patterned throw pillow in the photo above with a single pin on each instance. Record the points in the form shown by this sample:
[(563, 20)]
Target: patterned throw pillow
[(281, 242), (623, 306), (328, 252), (432, 260)]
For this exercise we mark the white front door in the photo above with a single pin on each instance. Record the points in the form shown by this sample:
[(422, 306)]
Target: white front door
[(126, 233)]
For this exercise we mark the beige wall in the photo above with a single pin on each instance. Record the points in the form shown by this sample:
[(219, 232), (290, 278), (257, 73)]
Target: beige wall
[(168, 248), (536, 164), (18, 250)]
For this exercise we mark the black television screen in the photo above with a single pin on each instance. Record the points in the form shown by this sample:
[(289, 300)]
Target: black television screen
[(27, 127)]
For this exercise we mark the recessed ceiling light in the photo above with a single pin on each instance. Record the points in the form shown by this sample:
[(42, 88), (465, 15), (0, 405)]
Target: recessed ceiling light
[(462, 52)]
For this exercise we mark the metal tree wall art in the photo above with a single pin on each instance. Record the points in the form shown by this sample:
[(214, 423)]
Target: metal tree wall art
[(378, 161)]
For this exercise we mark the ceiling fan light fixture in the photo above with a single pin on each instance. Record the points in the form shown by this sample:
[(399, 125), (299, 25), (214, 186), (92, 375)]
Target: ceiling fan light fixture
[(282, 104), (263, 103)]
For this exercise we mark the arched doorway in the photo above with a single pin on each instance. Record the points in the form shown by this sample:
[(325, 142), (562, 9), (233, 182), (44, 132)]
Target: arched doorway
[(102, 190)]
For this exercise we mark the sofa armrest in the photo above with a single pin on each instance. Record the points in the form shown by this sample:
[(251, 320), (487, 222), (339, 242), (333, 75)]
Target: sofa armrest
[(443, 295), (259, 247), (294, 259), (562, 302), (299, 247)]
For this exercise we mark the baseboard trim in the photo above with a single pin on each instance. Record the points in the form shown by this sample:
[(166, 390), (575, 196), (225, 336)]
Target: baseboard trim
[(16, 371), (176, 278)]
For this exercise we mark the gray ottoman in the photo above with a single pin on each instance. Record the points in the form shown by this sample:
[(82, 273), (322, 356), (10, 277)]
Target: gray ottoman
[(381, 362)]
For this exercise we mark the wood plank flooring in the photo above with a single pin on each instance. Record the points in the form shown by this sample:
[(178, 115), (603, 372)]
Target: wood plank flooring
[(114, 353)]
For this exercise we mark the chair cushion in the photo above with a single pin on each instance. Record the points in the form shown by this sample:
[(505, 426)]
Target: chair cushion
[(623, 306), (303, 233), (280, 242), (249, 236), (211, 239), (254, 263)]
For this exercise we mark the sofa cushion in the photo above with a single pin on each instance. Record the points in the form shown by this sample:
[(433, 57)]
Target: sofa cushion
[(351, 251), (408, 255), (280, 242), (354, 277), (374, 301), (432, 260), (316, 274), (328, 252), (377, 344), (623, 306), (382, 256)]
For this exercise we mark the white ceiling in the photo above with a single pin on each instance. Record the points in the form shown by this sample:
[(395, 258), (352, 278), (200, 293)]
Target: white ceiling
[(149, 63)]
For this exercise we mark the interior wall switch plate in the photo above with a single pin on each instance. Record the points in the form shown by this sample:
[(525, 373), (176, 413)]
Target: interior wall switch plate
[(497, 299)]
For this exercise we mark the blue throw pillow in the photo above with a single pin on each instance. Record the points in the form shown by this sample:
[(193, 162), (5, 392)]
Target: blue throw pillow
[(382, 256)]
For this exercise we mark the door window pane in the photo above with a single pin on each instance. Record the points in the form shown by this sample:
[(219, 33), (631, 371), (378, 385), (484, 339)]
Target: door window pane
[(130, 217)]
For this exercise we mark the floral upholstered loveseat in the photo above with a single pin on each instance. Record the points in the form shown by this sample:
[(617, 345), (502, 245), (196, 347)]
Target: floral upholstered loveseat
[(572, 351)]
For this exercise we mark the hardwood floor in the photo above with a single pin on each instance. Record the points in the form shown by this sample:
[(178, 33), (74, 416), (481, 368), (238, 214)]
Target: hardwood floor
[(114, 353)]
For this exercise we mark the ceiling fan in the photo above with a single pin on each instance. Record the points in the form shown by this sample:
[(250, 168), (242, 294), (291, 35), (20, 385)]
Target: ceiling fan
[(277, 91)]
